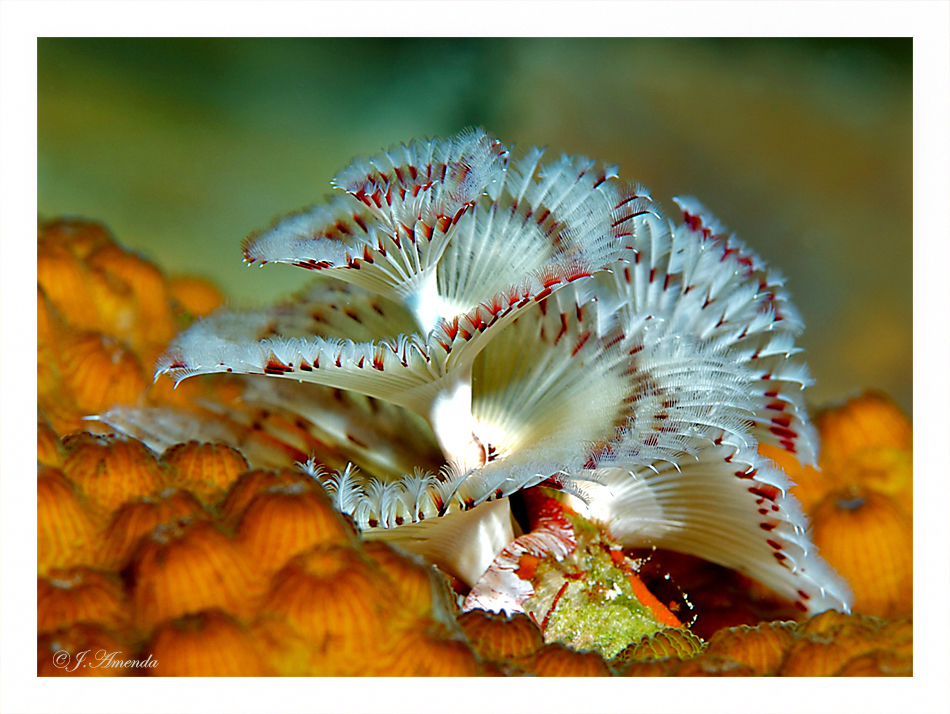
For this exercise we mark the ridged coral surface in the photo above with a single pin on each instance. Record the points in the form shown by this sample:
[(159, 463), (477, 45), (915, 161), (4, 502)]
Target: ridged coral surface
[(191, 562)]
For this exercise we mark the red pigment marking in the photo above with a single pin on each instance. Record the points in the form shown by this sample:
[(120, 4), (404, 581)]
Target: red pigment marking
[(378, 362), (666, 281), (543, 294), (633, 196), (626, 274), (784, 421), (476, 322), (726, 253), (275, 367), (775, 507), (314, 264), (613, 341), (777, 546), (749, 474), (552, 229), (304, 366), (804, 595), (495, 306), (780, 431), (360, 363), (652, 274), (776, 406), (763, 511), (801, 605), (771, 394), (580, 343), (765, 491), (563, 330), (694, 222), (579, 311), (557, 597), (767, 526)]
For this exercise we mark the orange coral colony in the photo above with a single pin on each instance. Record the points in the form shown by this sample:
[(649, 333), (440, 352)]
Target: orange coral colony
[(210, 643), (66, 533), (870, 540), (111, 471), (67, 597), (186, 566), (282, 521), (135, 519), (201, 562), (207, 470)]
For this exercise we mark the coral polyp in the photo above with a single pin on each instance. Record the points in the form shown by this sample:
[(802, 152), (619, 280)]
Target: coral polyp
[(537, 324)]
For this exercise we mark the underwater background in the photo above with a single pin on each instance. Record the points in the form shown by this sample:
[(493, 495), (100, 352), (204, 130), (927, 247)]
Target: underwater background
[(802, 147)]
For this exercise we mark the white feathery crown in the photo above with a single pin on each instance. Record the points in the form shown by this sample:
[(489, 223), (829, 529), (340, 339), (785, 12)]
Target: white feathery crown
[(548, 325)]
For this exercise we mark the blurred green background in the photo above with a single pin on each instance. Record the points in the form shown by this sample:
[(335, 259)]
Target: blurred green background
[(803, 147)]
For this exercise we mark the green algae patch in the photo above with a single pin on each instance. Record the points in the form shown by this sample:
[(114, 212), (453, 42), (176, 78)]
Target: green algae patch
[(586, 599)]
